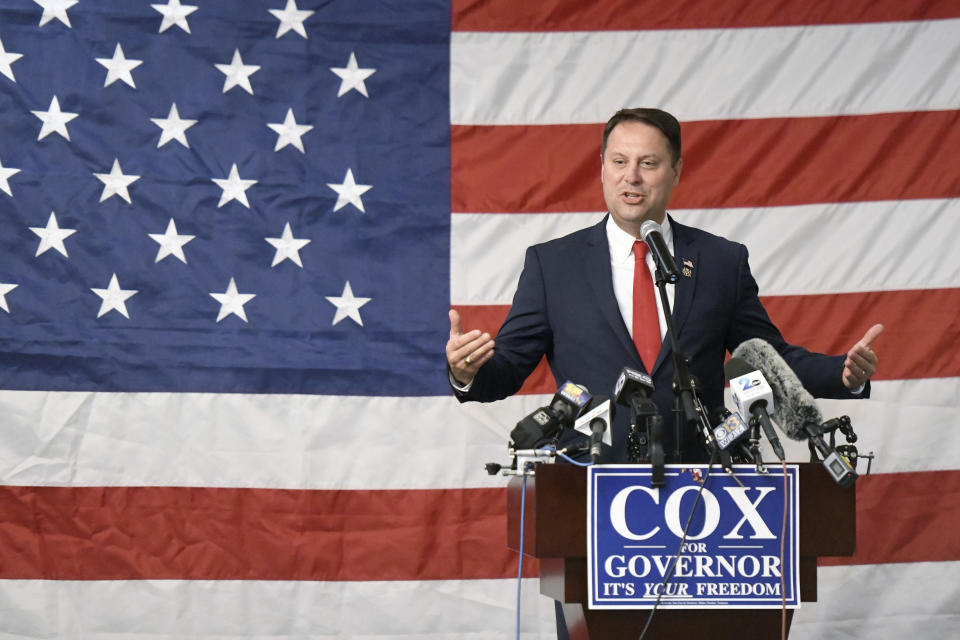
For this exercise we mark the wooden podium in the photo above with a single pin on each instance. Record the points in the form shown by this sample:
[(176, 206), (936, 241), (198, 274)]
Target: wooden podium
[(556, 534)]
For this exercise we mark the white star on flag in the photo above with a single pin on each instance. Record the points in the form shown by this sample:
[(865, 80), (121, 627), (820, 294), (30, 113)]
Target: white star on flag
[(114, 298), (234, 188), (238, 74), (52, 236), (55, 9), (352, 77), (6, 59), (287, 247), (291, 18), (171, 243), (119, 68), (5, 174), (231, 301), (54, 120), (173, 127), (349, 192), (115, 183), (348, 306), (289, 132), (6, 288), (174, 13)]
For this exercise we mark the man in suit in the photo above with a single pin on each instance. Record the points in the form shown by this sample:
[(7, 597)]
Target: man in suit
[(587, 302)]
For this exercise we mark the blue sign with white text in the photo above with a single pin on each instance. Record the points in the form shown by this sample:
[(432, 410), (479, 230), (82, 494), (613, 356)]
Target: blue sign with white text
[(731, 556)]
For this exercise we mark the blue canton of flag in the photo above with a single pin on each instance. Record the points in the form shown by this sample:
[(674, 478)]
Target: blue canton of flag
[(226, 196)]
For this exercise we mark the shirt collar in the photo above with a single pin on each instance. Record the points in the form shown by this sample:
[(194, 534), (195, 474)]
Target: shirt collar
[(621, 242)]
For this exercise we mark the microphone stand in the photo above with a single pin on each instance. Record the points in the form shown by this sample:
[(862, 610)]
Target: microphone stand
[(643, 409), (687, 407)]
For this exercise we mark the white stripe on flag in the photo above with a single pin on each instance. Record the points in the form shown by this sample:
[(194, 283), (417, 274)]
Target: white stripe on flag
[(898, 598), (810, 251), (220, 609), (704, 74), (882, 602), (123, 439)]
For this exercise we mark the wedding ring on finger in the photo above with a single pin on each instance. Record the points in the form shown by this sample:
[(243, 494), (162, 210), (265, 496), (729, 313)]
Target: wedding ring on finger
[(467, 360)]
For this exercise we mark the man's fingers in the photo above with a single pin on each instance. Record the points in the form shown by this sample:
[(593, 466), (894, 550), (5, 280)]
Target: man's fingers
[(860, 366), (487, 354), (872, 334), (475, 348), (472, 344), (862, 358), (475, 357)]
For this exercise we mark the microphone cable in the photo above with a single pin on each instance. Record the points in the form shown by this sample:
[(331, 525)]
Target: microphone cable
[(783, 537), (562, 454), (683, 541)]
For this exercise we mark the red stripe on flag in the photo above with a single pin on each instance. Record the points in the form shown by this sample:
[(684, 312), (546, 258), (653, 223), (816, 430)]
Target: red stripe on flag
[(907, 517), (577, 15), (727, 163), (129, 533), (117, 533), (921, 329)]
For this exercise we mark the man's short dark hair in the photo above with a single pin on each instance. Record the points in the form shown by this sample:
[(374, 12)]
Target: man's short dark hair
[(659, 119)]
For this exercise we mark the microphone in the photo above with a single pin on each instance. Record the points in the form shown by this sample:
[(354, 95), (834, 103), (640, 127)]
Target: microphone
[(568, 403), (730, 428), (651, 234), (599, 407), (797, 411), (753, 396), (599, 413), (795, 407), (633, 390), (632, 385)]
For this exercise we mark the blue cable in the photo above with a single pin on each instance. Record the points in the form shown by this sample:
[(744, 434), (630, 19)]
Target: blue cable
[(566, 457), (523, 501)]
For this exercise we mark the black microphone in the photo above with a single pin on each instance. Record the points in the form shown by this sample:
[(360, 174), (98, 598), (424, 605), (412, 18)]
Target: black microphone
[(633, 389), (597, 427), (797, 412), (594, 421), (632, 385), (651, 234), (544, 423), (754, 396)]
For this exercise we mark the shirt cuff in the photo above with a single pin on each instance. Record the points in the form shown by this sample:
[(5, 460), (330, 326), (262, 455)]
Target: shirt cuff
[(463, 388)]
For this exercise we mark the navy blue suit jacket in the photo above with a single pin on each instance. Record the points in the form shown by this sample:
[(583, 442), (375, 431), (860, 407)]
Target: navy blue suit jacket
[(565, 308)]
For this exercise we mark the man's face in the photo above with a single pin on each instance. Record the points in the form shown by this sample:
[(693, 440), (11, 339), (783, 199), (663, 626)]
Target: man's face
[(638, 175)]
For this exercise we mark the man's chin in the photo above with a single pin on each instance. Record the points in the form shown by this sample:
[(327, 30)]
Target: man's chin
[(636, 217)]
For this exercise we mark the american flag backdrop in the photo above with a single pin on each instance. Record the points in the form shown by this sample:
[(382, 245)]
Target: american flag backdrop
[(230, 232)]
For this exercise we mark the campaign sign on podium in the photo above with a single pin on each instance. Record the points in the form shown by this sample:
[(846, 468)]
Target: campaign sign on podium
[(732, 554)]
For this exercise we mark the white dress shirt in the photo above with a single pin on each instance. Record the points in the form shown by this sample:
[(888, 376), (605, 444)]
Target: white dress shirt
[(621, 265)]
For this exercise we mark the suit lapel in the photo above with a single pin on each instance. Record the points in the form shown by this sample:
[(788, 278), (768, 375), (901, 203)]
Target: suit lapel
[(597, 268)]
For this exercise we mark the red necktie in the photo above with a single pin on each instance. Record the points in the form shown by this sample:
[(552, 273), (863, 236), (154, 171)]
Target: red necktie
[(646, 321)]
